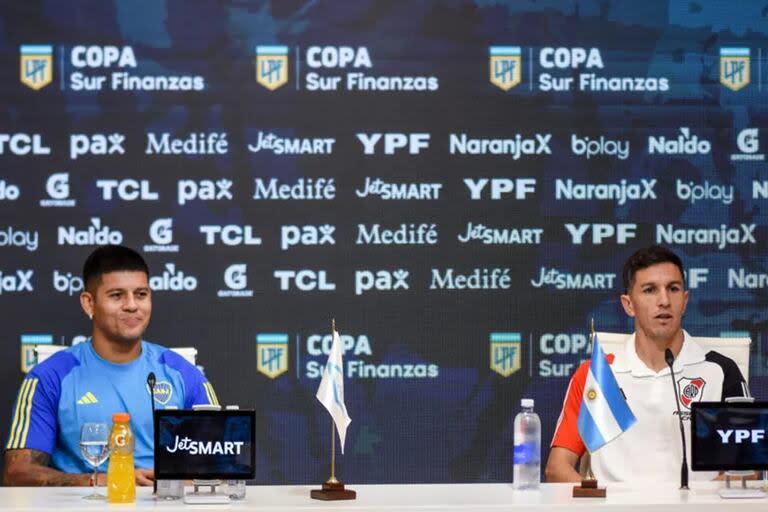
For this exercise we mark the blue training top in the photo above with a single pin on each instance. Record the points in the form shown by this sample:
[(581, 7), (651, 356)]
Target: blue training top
[(76, 386)]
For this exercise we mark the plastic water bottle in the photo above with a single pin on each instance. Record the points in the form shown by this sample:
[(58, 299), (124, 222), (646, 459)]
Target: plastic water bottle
[(235, 488), (527, 454), (170, 489)]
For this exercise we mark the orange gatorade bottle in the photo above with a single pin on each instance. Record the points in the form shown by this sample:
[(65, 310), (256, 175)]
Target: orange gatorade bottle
[(121, 481)]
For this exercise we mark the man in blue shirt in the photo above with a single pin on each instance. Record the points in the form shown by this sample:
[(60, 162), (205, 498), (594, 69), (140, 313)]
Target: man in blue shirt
[(92, 380)]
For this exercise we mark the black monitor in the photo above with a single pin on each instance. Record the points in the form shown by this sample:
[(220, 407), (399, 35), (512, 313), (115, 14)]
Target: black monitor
[(729, 436), (205, 444)]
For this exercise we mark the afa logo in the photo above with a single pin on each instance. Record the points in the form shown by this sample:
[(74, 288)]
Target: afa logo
[(734, 67), (272, 354), (163, 392), (36, 65), (272, 66), (691, 390), (505, 352), (505, 63)]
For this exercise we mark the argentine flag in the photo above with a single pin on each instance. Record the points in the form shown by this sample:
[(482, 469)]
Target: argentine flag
[(604, 413)]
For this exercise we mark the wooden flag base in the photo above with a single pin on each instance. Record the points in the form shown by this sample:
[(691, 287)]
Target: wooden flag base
[(332, 492), (588, 489)]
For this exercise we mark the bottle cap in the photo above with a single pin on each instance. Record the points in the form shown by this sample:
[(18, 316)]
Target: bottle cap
[(526, 402), (121, 417)]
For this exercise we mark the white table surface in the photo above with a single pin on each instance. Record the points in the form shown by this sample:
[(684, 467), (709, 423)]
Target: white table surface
[(382, 498)]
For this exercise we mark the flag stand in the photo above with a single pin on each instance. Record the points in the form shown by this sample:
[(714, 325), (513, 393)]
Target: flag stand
[(332, 489), (588, 487)]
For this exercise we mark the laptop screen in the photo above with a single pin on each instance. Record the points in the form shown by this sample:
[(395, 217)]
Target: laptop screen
[(729, 436), (205, 444)]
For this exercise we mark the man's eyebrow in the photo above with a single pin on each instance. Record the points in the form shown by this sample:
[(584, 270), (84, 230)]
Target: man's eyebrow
[(119, 289), (655, 283)]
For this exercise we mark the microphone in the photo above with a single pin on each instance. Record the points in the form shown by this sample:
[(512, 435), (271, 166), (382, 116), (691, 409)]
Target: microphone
[(151, 383), (669, 358)]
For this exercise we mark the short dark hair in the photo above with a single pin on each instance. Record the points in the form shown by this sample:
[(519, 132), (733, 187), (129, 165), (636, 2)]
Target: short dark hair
[(111, 258), (645, 258)]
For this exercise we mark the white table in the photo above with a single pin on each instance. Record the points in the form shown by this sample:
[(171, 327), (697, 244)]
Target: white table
[(399, 498)]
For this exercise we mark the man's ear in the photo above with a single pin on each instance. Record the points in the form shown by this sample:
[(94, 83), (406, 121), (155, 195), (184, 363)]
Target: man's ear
[(86, 302), (626, 303)]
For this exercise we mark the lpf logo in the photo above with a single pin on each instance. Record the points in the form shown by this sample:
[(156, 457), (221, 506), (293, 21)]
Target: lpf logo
[(36, 66), (272, 354), (734, 67), (505, 63), (29, 343), (272, 66), (505, 352)]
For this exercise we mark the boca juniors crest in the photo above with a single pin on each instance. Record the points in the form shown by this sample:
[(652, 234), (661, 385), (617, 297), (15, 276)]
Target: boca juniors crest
[(36, 66), (505, 352), (272, 66), (163, 392), (505, 64), (272, 354), (691, 390), (734, 67)]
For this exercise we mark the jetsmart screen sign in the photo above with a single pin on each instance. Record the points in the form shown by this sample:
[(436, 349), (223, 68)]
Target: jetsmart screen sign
[(192, 447)]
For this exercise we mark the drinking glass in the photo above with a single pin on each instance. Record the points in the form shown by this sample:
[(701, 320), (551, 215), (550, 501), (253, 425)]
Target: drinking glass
[(94, 446)]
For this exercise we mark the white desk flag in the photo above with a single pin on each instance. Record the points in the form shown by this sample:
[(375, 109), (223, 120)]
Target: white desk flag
[(331, 390)]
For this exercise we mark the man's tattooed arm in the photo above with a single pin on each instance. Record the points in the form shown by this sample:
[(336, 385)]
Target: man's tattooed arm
[(26, 467)]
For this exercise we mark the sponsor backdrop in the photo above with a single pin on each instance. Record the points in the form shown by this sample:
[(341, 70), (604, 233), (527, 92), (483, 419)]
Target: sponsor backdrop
[(456, 183)]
